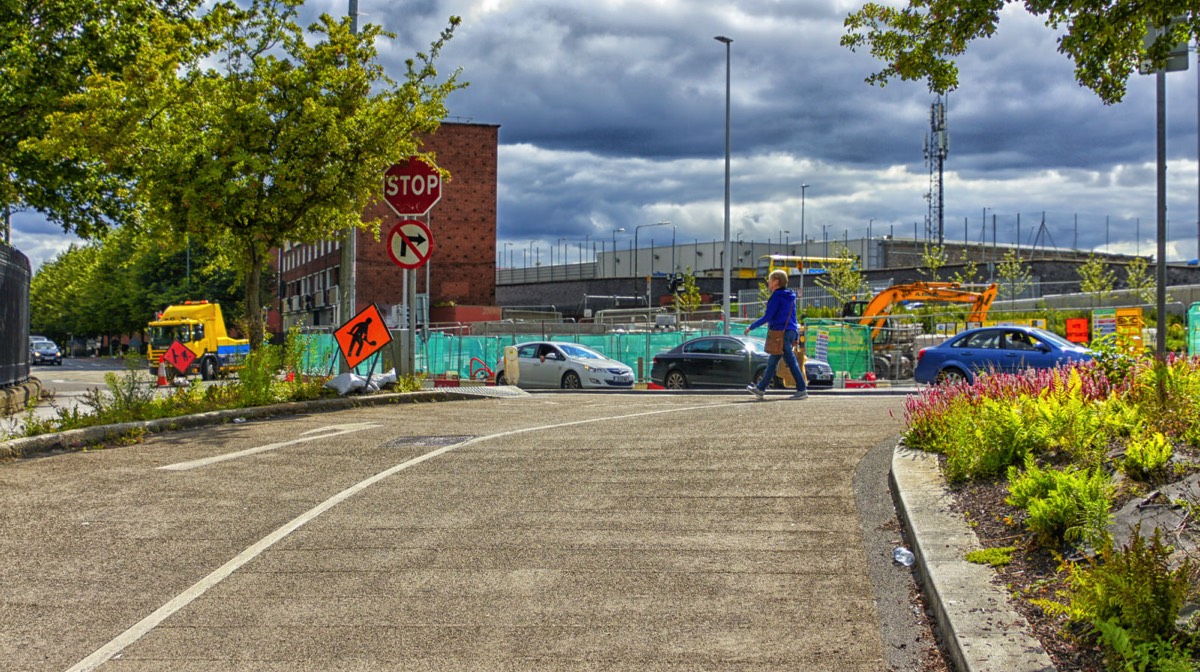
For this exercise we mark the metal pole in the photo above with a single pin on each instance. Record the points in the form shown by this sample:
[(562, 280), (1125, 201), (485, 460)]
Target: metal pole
[(726, 262), (1160, 346), (349, 275)]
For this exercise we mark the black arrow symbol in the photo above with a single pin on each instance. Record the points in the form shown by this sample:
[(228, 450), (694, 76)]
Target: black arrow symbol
[(416, 240)]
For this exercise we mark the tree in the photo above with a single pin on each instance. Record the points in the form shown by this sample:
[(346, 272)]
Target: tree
[(932, 260), (48, 49), (1104, 39), (969, 271), (1014, 275), (287, 140), (1138, 278), (1096, 278), (842, 279), (689, 300)]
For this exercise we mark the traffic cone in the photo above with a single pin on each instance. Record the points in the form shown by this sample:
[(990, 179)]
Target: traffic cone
[(162, 374)]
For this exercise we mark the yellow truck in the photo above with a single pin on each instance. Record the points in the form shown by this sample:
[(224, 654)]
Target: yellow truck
[(200, 327)]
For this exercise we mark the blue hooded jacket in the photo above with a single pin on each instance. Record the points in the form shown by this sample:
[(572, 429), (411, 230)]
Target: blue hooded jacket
[(781, 312)]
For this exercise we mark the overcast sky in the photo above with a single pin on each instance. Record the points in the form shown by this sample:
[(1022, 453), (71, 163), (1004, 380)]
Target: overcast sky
[(612, 114)]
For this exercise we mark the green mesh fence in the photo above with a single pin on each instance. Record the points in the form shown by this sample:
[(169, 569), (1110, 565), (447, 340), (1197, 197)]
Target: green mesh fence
[(1193, 327), (847, 347)]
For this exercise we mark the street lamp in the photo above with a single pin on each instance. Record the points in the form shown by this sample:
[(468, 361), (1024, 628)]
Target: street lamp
[(614, 252), (505, 253), (639, 227), (803, 239), (726, 261)]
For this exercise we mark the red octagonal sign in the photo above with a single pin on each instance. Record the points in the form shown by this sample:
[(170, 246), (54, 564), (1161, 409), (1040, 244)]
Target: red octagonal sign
[(411, 188)]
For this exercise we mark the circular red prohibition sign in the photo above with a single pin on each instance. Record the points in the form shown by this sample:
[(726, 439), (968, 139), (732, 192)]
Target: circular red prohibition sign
[(410, 244)]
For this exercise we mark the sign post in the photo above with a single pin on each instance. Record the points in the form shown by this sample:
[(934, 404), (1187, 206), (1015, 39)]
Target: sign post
[(411, 188)]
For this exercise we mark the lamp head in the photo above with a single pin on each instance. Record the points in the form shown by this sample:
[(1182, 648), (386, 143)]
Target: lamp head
[(722, 38)]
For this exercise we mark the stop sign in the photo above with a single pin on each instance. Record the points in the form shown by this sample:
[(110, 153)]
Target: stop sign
[(412, 187)]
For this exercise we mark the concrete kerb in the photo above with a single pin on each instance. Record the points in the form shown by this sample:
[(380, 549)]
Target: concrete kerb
[(979, 626), (89, 436), (14, 398)]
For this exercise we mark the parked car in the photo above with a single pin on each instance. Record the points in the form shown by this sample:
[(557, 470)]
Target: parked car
[(44, 352), (725, 361), (545, 364), (1001, 349)]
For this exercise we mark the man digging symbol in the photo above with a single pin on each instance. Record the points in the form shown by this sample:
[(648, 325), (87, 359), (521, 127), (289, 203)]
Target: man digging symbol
[(358, 338)]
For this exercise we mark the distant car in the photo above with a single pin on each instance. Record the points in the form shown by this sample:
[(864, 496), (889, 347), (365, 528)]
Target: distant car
[(44, 352), (1001, 349), (554, 364), (725, 361)]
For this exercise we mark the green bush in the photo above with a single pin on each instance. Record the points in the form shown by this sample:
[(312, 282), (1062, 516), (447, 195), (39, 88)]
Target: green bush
[(1131, 599), (1146, 456), (1071, 505)]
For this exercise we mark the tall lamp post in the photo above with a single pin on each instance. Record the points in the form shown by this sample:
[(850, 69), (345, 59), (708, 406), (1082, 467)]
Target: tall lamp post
[(726, 261), (614, 252), (803, 238), (639, 227)]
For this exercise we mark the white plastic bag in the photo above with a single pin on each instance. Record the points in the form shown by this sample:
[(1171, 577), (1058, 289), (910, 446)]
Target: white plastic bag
[(346, 383)]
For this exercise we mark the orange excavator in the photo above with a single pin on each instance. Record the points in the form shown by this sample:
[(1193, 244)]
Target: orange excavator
[(875, 312)]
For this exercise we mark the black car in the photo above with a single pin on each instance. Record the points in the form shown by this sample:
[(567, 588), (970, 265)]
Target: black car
[(44, 352), (725, 361)]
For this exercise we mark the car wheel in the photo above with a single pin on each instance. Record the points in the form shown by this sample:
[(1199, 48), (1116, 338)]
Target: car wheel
[(676, 381), (951, 376), (571, 381), (500, 379), (208, 369), (757, 377)]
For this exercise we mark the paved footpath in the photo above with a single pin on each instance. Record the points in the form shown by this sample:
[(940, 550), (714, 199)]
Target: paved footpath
[(546, 532)]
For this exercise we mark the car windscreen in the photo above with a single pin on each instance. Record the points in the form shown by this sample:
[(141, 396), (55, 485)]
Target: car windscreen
[(1055, 339), (578, 351)]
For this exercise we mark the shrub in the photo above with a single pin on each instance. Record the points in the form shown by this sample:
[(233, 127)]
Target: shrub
[(1146, 455), (1070, 505), (1131, 599)]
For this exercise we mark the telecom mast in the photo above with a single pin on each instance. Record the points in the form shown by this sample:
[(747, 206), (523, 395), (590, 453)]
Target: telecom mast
[(937, 145)]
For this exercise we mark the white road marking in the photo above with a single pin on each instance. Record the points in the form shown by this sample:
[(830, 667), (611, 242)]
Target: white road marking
[(117, 645), (338, 430)]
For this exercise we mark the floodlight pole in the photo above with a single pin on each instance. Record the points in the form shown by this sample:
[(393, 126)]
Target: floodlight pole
[(726, 261)]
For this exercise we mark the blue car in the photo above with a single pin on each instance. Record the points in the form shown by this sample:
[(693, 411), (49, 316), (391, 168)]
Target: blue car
[(1000, 349)]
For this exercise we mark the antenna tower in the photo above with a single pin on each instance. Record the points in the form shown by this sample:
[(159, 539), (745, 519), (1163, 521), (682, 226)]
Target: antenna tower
[(937, 145)]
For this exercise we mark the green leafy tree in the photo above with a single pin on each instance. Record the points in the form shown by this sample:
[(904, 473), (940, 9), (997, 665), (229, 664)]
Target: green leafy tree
[(968, 272), (843, 279), (48, 50), (249, 131), (1014, 275), (1096, 278), (919, 41), (1139, 279), (932, 260), (689, 300)]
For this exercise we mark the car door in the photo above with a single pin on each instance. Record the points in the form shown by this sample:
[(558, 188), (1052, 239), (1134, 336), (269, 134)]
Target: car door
[(551, 365), (1021, 351), (529, 366), (981, 352), (698, 361), (730, 363)]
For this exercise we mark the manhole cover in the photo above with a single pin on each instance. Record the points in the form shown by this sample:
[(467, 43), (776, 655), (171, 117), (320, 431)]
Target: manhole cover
[(425, 441)]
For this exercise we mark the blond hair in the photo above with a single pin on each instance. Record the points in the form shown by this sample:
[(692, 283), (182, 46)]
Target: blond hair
[(780, 275)]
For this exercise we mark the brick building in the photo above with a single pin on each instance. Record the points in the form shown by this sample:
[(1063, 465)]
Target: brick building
[(461, 269)]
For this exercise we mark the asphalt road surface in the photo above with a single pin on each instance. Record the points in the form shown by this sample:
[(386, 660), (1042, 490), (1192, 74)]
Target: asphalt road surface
[(545, 532)]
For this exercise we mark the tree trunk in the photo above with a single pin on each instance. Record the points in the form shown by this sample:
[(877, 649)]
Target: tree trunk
[(254, 320)]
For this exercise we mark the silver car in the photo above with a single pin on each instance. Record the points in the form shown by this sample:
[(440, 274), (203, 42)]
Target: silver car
[(546, 364)]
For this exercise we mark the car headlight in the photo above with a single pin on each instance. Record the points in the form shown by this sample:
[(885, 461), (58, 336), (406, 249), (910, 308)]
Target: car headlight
[(593, 369)]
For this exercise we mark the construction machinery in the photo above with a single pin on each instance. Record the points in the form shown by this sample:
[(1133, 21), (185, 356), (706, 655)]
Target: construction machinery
[(893, 348), (200, 327)]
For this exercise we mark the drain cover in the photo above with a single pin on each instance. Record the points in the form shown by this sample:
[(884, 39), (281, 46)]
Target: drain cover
[(425, 441)]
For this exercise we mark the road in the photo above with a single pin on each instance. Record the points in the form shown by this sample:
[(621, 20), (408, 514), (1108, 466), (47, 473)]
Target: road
[(555, 531)]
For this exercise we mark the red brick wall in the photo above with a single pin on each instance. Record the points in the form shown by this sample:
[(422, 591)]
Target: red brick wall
[(463, 223)]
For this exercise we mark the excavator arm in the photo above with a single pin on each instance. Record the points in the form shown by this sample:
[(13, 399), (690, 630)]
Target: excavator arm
[(876, 311)]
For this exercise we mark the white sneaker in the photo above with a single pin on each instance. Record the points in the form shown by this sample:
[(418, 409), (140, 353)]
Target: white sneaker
[(753, 389)]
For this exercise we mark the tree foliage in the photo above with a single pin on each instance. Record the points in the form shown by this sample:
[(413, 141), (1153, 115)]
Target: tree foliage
[(1140, 280), (48, 50), (1014, 275), (1096, 278), (247, 131), (932, 260), (689, 299), (920, 41), (843, 279), (116, 285)]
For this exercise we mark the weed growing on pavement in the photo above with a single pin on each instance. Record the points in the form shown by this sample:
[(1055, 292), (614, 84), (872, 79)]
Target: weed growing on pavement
[(998, 556)]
